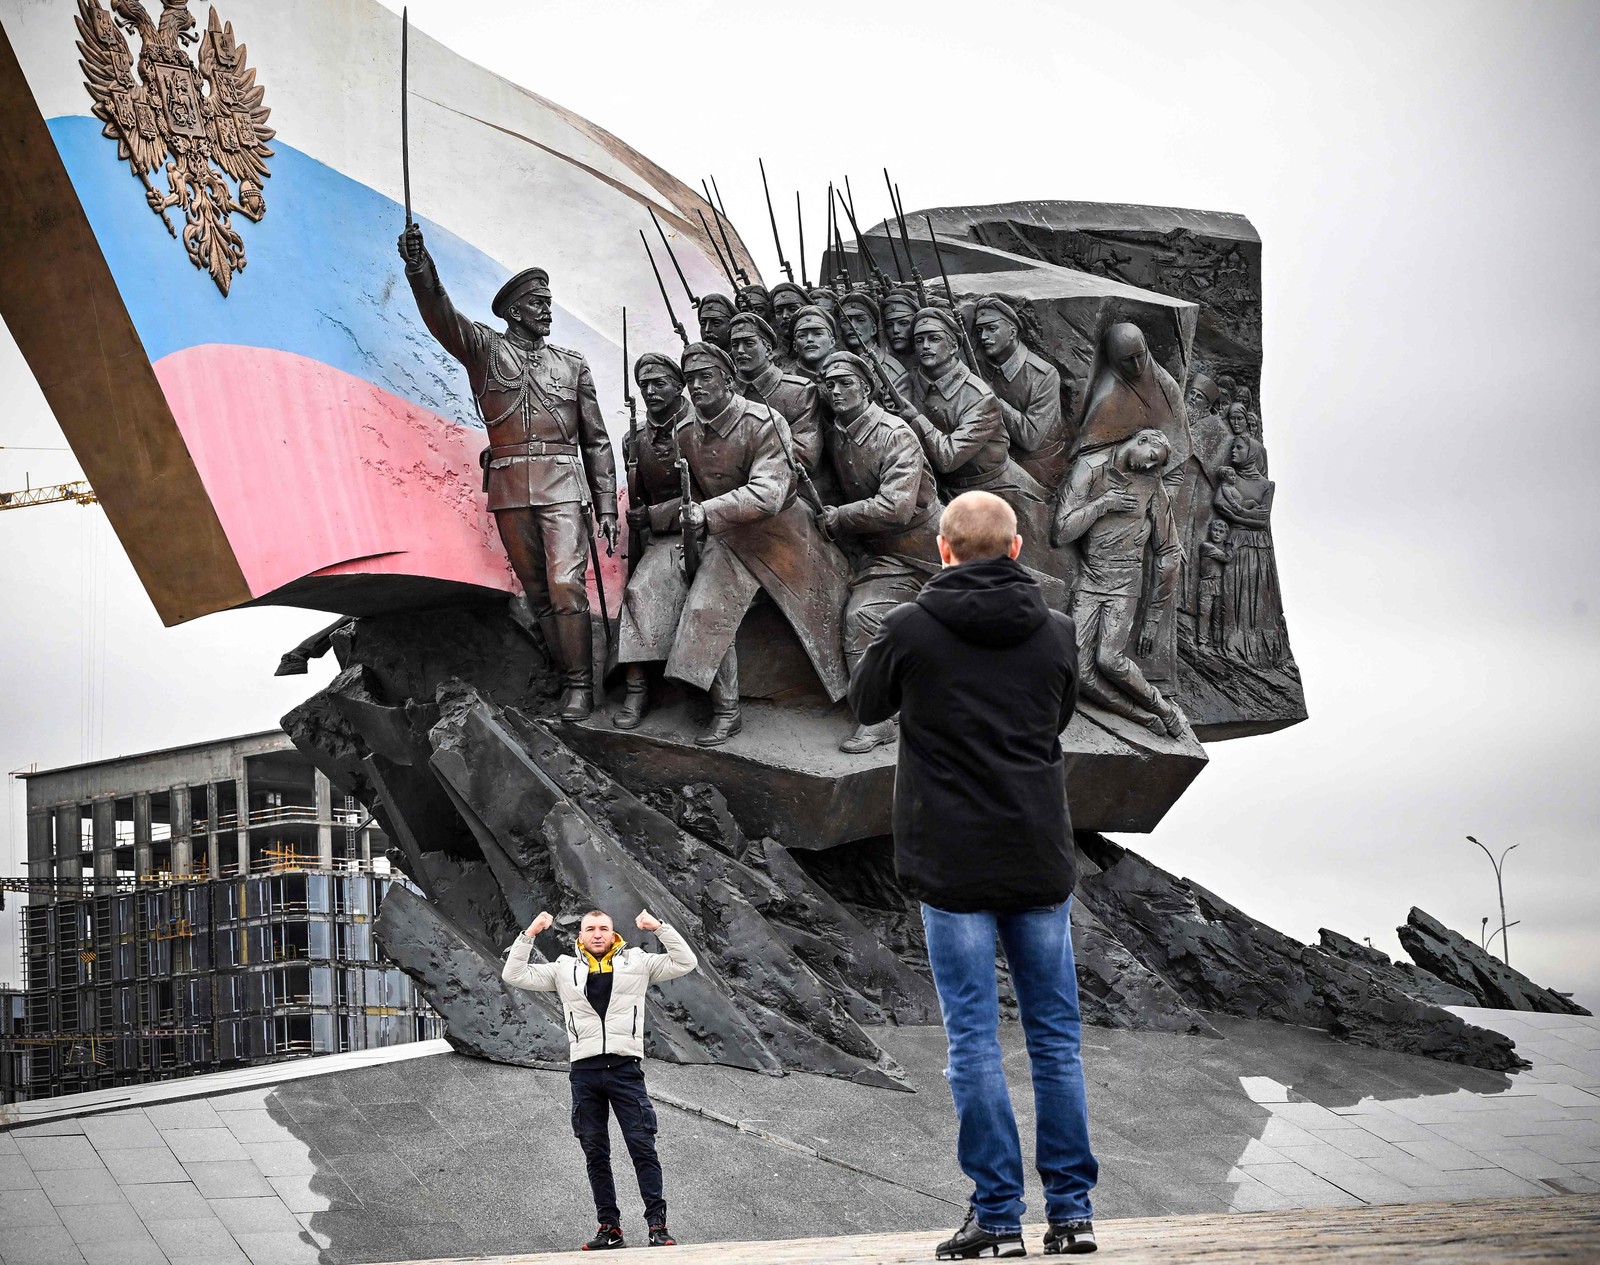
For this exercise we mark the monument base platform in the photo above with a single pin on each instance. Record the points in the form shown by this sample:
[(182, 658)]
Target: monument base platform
[(784, 774)]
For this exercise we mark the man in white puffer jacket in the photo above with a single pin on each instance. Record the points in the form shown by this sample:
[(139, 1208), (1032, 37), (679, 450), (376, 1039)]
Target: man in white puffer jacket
[(602, 989)]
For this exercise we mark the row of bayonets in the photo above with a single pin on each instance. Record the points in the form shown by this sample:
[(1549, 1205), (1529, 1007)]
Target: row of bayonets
[(739, 279)]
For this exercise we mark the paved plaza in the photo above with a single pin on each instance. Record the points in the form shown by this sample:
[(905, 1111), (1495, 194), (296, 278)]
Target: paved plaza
[(420, 1153)]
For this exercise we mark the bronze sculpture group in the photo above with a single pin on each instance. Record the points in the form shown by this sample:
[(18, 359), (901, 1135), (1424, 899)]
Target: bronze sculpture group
[(803, 449)]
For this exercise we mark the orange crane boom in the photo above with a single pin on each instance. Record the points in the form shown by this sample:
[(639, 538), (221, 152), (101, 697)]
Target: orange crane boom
[(50, 494)]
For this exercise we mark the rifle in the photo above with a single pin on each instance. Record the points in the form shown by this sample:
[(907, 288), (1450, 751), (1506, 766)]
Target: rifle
[(866, 250), (671, 315), (776, 240), (732, 280), (905, 240), (678, 268), (800, 223), (635, 501), (744, 277), (842, 274), (691, 542), (961, 325)]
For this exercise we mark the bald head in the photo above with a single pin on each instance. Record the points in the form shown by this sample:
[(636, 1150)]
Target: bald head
[(977, 525)]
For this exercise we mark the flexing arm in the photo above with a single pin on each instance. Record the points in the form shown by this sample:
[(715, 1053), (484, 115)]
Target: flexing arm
[(519, 972), (679, 958)]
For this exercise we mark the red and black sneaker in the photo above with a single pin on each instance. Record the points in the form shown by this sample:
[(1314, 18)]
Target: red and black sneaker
[(660, 1236), (605, 1238)]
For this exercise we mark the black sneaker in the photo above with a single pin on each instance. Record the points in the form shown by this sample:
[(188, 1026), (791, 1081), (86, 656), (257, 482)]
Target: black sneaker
[(605, 1238), (1069, 1238), (660, 1236), (973, 1240)]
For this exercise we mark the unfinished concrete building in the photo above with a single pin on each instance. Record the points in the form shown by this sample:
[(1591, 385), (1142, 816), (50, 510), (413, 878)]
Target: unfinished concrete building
[(198, 908)]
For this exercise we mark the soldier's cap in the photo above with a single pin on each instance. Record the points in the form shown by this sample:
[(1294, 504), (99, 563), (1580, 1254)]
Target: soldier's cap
[(942, 317), (863, 300), (754, 288), (653, 364), (749, 321), (901, 298), (528, 281), (790, 287), (719, 300), (996, 304), (811, 310), (837, 364), (707, 351)]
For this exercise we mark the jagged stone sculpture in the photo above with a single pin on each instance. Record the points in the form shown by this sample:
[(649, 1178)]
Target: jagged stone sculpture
[(1411, 980), (1454, 958)]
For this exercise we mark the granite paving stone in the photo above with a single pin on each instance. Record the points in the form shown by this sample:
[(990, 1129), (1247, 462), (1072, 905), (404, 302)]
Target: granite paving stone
[(121, 1130), (281, 1159), (203, 1144), (141, 1166), (23, 1208), (279, 1248), (314, 1192), (1358, 1144), (67, 1186), (8, 1144), (39, 1245), (46, 1153), (64, 1127), (243, 1100), (224, 1179), (400, 1119), (255, 1126), (167, 1201), (1563, 1150), (98, 1223), (1445, 1156), (196, 1241), (263, 1215), (196, 1113), (1485, 1183), (144, 1251), (16, 1175)]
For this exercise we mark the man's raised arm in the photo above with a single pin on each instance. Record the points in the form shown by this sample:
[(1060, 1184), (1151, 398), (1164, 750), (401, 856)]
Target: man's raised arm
[(532, 977), (679, 958), (456, 333)]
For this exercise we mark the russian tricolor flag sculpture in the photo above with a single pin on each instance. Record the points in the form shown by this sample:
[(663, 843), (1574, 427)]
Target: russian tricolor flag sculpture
[(248, 385)]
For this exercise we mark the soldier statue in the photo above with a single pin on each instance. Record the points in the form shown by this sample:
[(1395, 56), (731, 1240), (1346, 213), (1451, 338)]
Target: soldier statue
[(752, 342), (812, 336), (787, 299), (1029, 390), (757, 536), (899, 312), (755, 299), (1115, 506), (957, 416), (715, 311), (861, 324), (890, 512), (548, 466), (653, 601)]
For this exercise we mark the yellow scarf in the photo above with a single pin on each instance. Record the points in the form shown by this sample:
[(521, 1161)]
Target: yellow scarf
[(602, 964)]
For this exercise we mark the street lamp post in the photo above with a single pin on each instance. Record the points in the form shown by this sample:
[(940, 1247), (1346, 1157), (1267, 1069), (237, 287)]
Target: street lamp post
[(1499, 879)]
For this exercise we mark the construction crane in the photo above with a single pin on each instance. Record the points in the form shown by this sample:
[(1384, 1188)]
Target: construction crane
[(78, 491)]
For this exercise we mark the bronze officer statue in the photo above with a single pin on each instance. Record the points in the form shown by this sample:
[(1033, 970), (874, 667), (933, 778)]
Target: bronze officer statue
[(548, 465)]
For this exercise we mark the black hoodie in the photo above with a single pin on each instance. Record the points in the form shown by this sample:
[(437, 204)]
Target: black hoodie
[(984, 676)]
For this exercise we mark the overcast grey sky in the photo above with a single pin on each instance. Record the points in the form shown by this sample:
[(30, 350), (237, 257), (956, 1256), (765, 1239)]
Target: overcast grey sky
[(1424, 177)]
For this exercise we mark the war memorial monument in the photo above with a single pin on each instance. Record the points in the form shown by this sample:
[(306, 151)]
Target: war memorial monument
[(601, 529)]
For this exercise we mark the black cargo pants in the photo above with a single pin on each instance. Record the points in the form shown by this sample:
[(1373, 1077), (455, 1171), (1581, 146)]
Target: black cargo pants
[(597, 1093)]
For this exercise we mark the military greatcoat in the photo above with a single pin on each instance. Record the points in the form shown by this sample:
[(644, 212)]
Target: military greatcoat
[(890, 510), (653, 601), (1029, 390), (794, 396), (758, 537)]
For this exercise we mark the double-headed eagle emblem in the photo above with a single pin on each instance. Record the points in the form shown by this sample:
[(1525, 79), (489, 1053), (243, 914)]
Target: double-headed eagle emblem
[(165, 117)]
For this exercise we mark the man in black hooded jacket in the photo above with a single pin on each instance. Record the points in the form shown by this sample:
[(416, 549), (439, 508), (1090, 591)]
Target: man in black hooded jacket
[(984, 677)]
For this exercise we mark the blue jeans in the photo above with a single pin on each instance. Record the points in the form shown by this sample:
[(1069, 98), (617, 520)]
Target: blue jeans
[(1038, 949)]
